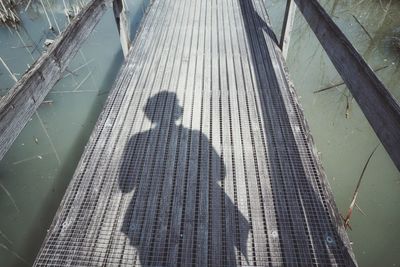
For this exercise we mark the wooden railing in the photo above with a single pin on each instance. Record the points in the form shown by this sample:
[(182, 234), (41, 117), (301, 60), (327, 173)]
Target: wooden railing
[(380, 108), (378, 105), (21, 102)]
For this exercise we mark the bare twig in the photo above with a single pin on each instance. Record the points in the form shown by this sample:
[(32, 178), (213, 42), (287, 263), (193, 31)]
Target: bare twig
[(360, 210), (362, 26), (9, 71), (342, 83), (353, 201), (5, 237), (14, 253), (27, 6), (385, 9), (49, 138), (66, 11), (47, 102), (77, 91), (8, 15), (47, 16), (25, 45), (54, 17), (348, 106), (86, 61), (29, 159), (73, 72), (9, 196), (83, 81)]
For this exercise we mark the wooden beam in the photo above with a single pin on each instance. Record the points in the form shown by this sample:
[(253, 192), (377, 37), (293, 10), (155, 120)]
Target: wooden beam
[(380, 108), (122, 25), (18, 106), (287, 27)]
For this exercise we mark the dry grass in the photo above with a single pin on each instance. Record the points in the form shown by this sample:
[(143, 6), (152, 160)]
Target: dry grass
[(8, 13), (346, 220)]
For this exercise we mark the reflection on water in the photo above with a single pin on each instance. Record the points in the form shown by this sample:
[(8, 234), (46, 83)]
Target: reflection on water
[(37, 169), (35, 172), (341, 132)]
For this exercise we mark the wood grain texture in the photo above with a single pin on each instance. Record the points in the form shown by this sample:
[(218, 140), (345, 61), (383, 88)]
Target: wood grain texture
[(287, 27), (120, 15), (201, 155), (20, 103)]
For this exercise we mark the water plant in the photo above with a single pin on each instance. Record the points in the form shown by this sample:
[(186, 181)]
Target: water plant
[(353, 203)]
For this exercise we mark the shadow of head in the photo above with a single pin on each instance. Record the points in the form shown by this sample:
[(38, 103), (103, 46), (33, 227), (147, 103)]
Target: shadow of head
[(156, 104)]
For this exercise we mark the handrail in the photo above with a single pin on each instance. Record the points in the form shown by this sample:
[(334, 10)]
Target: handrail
[(378, 105), (287, 27), (23, 99)]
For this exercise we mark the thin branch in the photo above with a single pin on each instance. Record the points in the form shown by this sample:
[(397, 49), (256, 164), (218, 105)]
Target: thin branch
[(362, 212), (353, 201), (5, 237), (9, 71), (47, 16), (10, 197), (27, 6), (25, 45), (342, 83), (82, 82), (29, 159), (362, 26), (54, 18), (72, 72), (49, 138), (14, 253), (77, 91)]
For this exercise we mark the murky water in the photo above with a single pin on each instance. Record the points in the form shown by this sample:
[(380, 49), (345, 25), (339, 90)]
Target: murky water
[(37, 169), (341, 132)]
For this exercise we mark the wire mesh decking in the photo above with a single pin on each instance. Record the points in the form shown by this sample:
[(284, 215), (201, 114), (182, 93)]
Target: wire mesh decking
[(201, 155)]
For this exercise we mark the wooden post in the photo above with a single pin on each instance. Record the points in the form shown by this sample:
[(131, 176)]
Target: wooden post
[(379, 107), (287, 27), (122, 25), (21, 102)]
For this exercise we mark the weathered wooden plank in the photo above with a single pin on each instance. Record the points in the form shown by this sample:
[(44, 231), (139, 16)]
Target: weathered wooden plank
[(122, 21), (380, 108), (24, 98), (287, 27)]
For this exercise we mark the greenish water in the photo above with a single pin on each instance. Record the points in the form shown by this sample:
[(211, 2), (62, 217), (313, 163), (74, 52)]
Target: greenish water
[(36, 171), (345, 143), (39, 166)]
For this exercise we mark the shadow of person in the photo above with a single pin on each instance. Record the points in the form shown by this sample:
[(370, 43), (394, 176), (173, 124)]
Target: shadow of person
[(178, 214)]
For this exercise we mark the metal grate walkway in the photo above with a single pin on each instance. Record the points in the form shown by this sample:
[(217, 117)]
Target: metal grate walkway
[(201, 155)]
